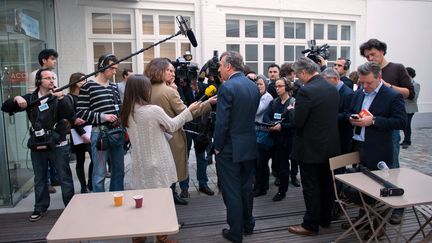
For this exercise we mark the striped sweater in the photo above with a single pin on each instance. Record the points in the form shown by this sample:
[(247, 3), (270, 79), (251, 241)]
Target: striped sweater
[(95, 100)]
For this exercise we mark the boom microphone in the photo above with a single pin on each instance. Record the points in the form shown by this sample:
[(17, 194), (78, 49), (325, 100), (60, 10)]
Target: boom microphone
[(186, 30), (209, 92)]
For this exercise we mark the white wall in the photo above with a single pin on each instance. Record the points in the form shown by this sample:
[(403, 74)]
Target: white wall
[(71, 39), (406, 28)]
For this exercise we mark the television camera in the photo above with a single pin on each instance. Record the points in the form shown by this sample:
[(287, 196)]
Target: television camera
[(314, 51), (185, 71)]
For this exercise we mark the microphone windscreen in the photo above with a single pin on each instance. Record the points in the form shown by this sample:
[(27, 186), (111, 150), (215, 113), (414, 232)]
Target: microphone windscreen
[(210, 91), (191, 37)]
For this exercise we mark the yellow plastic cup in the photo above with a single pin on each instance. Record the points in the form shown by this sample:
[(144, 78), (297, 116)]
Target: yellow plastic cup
[(118, 199)]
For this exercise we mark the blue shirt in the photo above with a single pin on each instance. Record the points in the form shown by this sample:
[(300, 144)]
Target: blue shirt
[(367, 101)]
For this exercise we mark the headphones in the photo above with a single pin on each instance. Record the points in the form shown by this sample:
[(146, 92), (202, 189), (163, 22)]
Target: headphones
[(38, 76), (287, 85), (103, 59), (347, 64)]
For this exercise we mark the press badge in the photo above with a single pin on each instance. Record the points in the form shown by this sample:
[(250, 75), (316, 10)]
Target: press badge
[(277, 116), (43, 107), (116, 107)]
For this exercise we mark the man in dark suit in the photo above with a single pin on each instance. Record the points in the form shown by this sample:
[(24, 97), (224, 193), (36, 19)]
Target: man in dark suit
[(373, 135), (235, 144), (382, 111), (316, 140), (345, 98)]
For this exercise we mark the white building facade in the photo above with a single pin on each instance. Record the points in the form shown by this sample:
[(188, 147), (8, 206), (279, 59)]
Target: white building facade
[(265, 32)]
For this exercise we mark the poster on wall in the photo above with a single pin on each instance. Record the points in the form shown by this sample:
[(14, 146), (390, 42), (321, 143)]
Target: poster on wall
[(26, 24)]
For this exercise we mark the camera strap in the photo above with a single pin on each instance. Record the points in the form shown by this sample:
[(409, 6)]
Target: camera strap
[(34, 112)]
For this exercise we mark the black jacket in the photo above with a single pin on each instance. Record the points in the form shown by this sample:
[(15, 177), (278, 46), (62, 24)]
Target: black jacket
[(55, 118)]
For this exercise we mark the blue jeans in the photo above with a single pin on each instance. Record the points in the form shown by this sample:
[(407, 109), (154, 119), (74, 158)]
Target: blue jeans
[(201, 172), (59, 158), (99, 159), (201, 167), (396, 148)]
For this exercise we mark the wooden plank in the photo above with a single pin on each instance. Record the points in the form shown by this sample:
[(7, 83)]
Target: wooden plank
[(205, 217)]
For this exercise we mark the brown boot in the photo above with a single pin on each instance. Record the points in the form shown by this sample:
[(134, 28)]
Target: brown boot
[(164, 239)]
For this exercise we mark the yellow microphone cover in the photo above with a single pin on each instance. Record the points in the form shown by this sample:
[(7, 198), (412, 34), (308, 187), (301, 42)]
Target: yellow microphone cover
[(210, 91)]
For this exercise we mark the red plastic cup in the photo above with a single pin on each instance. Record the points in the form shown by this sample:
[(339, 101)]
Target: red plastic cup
[(138, 201)]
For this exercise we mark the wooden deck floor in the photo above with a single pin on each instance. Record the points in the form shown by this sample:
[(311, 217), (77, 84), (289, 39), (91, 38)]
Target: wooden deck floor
[(204, 219)]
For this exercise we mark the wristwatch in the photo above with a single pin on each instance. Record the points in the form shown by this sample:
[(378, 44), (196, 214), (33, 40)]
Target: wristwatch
[(373, 120)]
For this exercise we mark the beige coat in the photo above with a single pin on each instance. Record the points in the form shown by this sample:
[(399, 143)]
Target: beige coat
[(169, 99)]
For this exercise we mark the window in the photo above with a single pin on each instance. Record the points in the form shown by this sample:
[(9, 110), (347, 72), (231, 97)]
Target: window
[(318, 31), (251, 28), (345, 52), (251, 56), (149, 54), (121, 49), (294, 30), (166, 25), (109, 23), (332, 32), (269, 29), (345, 32), (269, 55), (261, 44), (147, 25), (292, 53), (233, 47), (232, 28), (114, 32), (163, 24)]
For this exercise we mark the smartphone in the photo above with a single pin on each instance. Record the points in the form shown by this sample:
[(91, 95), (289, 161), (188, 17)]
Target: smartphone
[(355, 116)]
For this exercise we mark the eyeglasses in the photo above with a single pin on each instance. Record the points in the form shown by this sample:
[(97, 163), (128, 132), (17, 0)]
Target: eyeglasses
[(49, 78)]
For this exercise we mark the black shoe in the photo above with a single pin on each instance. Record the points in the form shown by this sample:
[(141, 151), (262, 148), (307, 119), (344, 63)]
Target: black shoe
[(181, 224), (178, 200), (396, 218), (295, 181), (84, 190), (258, 193), (55, 183), (226, 234), (184, 194), (247, 231), (277, 182), (279, 196), (206, 190), (36, 215)]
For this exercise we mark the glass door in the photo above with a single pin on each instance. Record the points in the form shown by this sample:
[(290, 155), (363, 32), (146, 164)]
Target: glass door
[(15, 53)]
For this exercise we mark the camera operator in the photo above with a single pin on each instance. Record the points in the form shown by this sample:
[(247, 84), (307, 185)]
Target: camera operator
[(318, 54), (47, 138), (191, 90)]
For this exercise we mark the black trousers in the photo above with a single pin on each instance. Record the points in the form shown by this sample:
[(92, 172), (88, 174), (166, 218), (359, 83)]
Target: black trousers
[(235, 179), (318, 194), (262, 170)]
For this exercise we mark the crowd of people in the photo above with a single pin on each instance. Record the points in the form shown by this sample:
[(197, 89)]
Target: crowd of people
[(299, 116)]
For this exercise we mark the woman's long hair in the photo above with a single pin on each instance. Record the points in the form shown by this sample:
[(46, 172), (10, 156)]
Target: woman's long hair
[(137, 92), (74, 89)]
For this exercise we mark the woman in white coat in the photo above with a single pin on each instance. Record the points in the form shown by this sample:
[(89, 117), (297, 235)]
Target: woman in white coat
[(152, 163)]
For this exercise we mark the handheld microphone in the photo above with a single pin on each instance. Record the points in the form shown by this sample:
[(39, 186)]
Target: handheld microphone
[(186, 30), (209, 92)]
